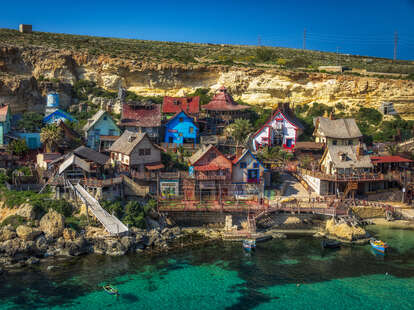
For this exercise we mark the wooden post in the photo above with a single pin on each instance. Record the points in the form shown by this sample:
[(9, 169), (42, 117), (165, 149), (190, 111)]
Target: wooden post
[(158, 191)]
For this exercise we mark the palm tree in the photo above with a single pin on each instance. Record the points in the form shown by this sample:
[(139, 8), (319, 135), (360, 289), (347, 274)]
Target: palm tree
[(50, 135), (239, 130)]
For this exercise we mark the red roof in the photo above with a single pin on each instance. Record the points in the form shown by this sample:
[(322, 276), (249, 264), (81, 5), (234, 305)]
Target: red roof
[(190, 105), (223, 101), (141, 115), (389, 159)]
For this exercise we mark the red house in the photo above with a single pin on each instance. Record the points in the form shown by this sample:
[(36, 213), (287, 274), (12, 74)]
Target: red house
[(211, 172), (174, 105)]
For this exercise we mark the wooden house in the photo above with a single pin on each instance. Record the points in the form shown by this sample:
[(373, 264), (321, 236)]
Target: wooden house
[(5, 124), (43, 160), (98, 128), (282, 129), (222, 110), (173, 105), (247, 169), (181, 129), (57, 117), (134, 151), (144, 116), (211, 172), (336, 131)]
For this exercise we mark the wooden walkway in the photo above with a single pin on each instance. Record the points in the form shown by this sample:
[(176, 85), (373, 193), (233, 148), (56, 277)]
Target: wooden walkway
[(112, 224)]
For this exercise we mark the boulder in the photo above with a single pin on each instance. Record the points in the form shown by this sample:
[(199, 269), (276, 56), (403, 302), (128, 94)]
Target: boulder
[(27, 233), (7, 233), (344, 231), (52, 224), (27, 211), (33, 261), (127, 242), (69, 234), (114, 248), (41, 243)]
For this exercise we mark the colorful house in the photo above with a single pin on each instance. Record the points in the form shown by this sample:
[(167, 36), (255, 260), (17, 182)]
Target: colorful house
[(223, 110), (281, 129), (58, 116), (248, 169), (5, 123), (181, 129), (211, 175), (173, 105), (98, 128), (32, 139), (144, 116)]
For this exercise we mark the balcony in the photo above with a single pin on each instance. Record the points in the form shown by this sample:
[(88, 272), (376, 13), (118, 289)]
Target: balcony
[(355, 177)]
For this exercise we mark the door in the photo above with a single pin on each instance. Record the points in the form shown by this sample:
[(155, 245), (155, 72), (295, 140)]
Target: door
[(253, 176), (170, 139), (32, 143), (289, 143)]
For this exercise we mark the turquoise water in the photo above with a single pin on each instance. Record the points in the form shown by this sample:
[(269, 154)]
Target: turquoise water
[(282, 274)]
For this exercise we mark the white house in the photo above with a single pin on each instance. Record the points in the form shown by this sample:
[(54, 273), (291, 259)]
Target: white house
[(281, 129)]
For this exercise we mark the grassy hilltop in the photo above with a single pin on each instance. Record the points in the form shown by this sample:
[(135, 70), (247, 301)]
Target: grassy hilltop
[(195, 53)]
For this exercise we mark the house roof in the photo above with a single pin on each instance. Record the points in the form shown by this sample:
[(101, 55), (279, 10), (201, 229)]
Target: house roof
[(148, 115), (3, 113), (191, 105), (126, 143), (178, 113), (245, 152), (223, 101), (61, 113), (91, 155), (389, 159), (352, 160), (344, 128), (93, 120), (199, 154), (308, 145)]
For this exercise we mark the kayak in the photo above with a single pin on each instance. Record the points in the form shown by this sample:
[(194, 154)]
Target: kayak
[(110, 290)]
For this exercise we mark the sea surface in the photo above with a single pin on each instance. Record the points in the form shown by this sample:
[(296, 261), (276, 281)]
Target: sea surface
[(282, 274)]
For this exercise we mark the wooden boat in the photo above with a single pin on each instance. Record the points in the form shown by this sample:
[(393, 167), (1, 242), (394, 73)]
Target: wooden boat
[(331, 244), (379, 245), (110, 290), (249, 245)]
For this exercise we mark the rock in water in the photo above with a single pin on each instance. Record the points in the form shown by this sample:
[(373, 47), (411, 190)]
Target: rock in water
[(52, 224), (344, 231), (27, 233)]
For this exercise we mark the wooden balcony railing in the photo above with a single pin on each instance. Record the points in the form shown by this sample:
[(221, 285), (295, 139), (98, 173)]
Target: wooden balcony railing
[(356, 177)]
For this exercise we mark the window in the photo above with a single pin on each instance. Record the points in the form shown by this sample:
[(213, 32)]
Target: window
[(105, 118), (191, 129), (147, 151), (181, 119), (255, 165), (334, 142), (141, 152), (350, 142), (243, 165)]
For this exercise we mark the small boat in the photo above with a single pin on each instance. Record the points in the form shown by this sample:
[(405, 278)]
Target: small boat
[(249, 245), (331, 244), (110, 290), (379, 245)]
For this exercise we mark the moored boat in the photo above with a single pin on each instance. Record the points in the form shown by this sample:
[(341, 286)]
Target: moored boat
[(331, 244), (110, 290), (249, 245), (378, 245)]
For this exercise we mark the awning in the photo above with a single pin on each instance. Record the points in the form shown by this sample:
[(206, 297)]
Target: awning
[(207, 168), (154, 166), (389, 159)]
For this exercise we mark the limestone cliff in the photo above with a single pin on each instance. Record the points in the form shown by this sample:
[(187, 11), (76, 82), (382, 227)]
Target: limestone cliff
[(23, 71)]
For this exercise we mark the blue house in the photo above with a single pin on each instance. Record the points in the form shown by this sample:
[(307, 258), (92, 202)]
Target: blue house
[(32, 139), (57, 116), (101, 131), (5, 123), (181, 129), (247, 169)]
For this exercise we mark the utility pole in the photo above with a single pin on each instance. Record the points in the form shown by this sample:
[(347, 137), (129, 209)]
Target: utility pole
[(259, 40), (304, 38), (395, 45)]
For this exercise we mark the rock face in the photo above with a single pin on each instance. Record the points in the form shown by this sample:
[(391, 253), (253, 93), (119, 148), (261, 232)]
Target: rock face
[(27, 233), (52, 224), (25, 67), (7, 233), (344, 231)]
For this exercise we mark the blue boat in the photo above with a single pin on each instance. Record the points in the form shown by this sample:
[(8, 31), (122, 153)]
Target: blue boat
[(110, 290), (249, 245), (378, 245)]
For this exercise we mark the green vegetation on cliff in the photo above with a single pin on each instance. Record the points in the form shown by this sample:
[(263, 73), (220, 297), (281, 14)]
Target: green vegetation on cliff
[(193, 53)]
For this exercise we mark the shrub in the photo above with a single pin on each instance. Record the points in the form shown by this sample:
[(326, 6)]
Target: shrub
[(14, 220), (18, 147)]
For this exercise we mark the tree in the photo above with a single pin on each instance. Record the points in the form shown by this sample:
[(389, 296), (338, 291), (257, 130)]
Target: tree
[(239, 130), (18, 147), (50, 135)]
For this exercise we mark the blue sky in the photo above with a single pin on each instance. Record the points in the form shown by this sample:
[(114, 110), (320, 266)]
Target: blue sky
[(364, 27)]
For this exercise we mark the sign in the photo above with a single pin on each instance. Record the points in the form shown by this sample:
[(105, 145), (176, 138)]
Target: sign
[(169, 188), (191, 171)]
